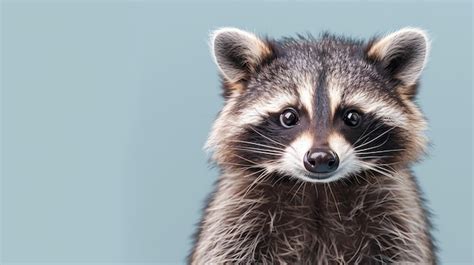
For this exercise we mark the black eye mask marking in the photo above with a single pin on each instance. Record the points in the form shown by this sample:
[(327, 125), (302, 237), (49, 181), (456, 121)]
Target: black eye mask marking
[(267, 141), (372, 138)]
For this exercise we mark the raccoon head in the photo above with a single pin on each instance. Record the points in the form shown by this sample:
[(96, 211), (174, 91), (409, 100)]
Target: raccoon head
[(318, 109)]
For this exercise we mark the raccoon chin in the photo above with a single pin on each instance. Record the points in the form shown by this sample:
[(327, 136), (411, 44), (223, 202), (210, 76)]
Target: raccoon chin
[(306, 176), (323, 178), (345, 170)]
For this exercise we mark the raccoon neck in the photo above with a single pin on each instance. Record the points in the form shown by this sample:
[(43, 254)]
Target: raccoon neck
[(271, 215)]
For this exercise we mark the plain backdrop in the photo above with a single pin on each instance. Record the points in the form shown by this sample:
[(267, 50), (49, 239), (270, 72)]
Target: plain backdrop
[(106, 106)]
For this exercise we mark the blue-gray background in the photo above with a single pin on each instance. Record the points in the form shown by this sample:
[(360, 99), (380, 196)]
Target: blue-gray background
[(106, 106)]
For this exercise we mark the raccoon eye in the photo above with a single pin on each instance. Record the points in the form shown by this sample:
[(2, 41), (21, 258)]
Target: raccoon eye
[(289, 118), (352, 118)]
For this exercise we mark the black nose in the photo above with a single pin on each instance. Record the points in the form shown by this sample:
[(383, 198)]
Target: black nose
[(318, 160)]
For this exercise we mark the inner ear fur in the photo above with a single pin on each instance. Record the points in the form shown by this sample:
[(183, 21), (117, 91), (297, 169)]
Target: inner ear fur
[(238, 54), (402, 55)]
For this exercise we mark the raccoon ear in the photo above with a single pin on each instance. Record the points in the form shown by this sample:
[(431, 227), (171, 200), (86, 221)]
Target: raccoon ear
[(403, 54), (238, 53)]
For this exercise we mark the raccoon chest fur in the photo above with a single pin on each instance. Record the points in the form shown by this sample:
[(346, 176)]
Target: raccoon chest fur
[(286, 222), (314, 144)]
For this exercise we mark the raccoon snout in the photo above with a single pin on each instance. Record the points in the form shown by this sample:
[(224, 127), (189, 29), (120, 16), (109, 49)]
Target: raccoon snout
[(322, 161)]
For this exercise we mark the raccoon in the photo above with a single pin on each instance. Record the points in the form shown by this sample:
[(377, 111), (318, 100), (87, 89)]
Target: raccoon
[(314, 145)]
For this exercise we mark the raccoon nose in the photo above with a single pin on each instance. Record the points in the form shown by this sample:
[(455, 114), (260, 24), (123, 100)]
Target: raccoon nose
[(319, 160)]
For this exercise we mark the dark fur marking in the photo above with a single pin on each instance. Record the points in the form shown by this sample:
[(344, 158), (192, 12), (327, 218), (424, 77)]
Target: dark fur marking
[(347, 214)]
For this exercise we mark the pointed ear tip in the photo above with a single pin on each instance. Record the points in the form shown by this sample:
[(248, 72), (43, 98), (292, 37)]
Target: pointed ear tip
[(419, 32), (415, 31), (224, 30), (213, 36), (416, 34)]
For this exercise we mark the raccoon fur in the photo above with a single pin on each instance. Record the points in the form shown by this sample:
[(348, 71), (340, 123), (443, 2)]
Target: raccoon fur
[(314, 145)]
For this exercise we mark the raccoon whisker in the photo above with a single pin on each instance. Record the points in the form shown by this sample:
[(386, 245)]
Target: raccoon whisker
[(363, 135), (242, 165), (251, 174), (381, 170), (326, 193), (278, 179), (348, 181), (260, 178), (257, 144), (272, 140), (316, 190), (303, 185), (250, 148), (261, 174), (294, 185), (388, 173), (374, 157), (266, 137), (372, 140), (374, 147), (258, 151), (248, 160), (380, 135), (386, 166), (391, 164), (357, 176), (297, 190), (384, 173), (380, 151), (369, 174), (254, 173), (335, 202), (368, 155), (303, 197)]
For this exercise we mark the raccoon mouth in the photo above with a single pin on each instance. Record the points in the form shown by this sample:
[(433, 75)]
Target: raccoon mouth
[(320, 176), (323, 177)]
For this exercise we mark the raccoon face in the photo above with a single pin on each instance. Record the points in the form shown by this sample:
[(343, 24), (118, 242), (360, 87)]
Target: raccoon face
[(318, 109)]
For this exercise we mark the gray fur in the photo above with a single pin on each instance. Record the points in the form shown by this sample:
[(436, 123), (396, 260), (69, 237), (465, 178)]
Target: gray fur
[(265, 209)]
